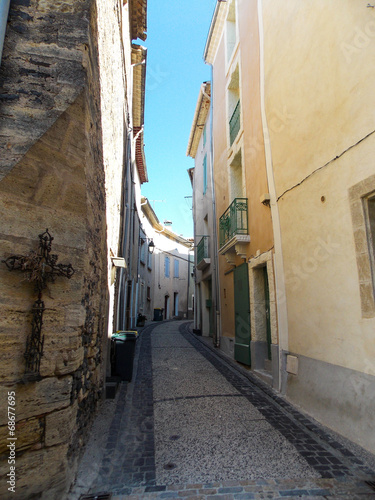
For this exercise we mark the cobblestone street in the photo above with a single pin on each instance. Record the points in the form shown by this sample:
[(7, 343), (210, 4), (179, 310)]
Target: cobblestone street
[(194, 424)]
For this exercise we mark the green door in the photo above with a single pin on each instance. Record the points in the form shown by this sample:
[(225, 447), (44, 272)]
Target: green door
[(242, 315)]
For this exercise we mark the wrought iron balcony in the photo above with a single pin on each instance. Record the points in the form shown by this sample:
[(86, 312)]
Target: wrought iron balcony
[(233, 222), (203, 258), (235, 123)]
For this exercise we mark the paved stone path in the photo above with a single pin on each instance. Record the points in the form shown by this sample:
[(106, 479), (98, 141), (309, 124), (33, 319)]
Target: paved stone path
[(193, 424)]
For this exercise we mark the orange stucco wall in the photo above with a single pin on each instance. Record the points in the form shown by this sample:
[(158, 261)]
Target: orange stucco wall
[(249, 140)]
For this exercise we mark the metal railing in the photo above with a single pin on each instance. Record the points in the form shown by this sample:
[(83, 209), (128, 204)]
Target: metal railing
[(235, 123), (202, 249), (233, 221)]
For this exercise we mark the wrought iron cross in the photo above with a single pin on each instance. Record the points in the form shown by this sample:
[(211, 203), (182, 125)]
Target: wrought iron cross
[(40, 267)]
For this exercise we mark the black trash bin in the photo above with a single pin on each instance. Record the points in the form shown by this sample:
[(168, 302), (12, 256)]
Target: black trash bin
[(158, 314), (123, 348)]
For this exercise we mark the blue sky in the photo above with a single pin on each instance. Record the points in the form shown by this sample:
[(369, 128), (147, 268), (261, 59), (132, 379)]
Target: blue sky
[(176, 37)]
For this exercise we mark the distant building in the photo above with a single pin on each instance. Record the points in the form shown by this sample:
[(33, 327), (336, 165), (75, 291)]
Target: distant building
[(205, 245), (145, 304), (172, 267)]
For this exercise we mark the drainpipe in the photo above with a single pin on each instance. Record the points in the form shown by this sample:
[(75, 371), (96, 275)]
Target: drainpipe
[(188, 285), (215, 250), (282, 315), (4, 11)]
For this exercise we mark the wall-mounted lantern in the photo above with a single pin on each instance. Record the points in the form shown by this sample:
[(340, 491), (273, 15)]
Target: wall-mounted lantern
[(151, 247), (151, 244)]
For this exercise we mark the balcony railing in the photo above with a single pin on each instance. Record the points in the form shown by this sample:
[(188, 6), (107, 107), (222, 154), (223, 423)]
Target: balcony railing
[(233, 221), (235, 123), (202, 249)]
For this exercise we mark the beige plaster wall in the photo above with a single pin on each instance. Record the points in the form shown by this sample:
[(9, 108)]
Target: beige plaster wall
[(319, 74), (319, 79), (322, 280)]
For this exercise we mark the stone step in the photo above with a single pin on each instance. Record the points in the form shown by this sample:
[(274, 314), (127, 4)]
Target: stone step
[(264, 375)]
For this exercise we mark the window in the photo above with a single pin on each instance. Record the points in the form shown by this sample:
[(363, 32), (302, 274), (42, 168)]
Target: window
[(149, 260), (143, 252), (204, 136), (231, 30), (362, 205), (176, 269), (142, 295), (370, 226), (236, 178), (148, 293), (205, 174), (234, 105), (166, 266)]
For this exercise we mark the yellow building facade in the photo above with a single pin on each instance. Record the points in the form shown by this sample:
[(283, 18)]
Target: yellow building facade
[(293, 140), (318, 77), (248, 324)]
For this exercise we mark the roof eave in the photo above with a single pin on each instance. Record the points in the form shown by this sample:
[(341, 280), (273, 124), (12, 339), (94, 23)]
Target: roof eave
[(200, 117), (215, 31), (138, 19), (159, 228), (139, 61)]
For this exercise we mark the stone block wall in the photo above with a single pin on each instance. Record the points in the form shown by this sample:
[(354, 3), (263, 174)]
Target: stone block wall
[(41, 72), (48, 188), (52, 175)]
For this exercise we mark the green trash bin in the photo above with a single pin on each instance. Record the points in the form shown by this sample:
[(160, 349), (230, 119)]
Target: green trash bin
[(122, 356), (158, 314)]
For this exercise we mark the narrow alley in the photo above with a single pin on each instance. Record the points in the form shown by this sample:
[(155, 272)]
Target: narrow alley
[(192, 423)]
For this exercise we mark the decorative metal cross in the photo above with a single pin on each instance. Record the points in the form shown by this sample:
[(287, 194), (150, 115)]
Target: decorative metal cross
[(41, 267)]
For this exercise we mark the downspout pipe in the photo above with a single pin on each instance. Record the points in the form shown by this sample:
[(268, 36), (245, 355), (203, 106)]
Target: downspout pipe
[(217, 321), (4, 11)]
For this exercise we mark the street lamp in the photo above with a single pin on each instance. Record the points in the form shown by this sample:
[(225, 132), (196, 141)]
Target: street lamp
[(151, 244), (151, 247)]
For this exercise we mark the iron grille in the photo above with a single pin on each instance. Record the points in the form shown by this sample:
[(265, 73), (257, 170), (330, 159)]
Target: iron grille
[(202, 249), (233, 221)]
